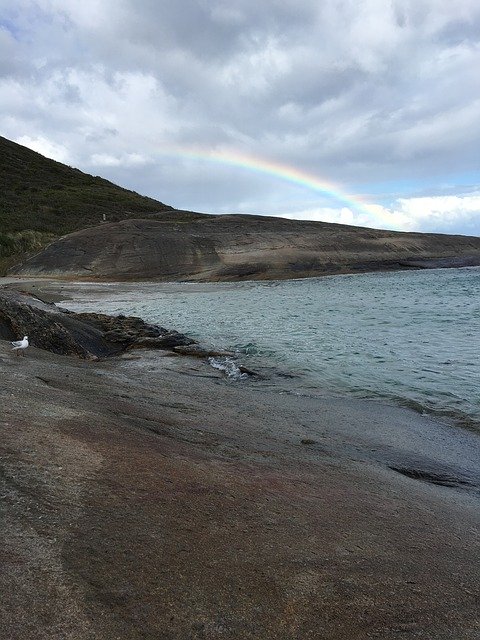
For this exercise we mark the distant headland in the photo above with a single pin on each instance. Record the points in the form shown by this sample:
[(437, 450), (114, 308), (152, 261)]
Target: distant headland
[(56, 221)]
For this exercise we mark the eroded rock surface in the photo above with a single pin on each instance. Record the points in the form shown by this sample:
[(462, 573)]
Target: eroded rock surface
[(242, 248)]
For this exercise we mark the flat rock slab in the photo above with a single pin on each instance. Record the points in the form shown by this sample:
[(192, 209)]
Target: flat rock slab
[(141, 500)]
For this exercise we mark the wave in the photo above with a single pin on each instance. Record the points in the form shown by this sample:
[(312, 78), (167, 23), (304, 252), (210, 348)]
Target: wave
[(229, 367)]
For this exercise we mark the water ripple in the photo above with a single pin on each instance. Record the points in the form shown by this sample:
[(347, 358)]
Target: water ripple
[(407, 336)]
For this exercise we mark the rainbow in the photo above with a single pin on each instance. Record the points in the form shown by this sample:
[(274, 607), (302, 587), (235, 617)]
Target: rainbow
[(283, 172)]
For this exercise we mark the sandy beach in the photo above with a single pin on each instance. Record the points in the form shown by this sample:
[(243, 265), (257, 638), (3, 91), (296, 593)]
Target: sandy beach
[(145, 496)]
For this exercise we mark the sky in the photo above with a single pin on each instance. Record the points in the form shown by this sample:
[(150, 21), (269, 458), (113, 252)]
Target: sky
[(363, 112)]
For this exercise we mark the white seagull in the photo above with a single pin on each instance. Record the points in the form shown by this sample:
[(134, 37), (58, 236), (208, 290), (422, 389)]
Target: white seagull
[(20, 345)]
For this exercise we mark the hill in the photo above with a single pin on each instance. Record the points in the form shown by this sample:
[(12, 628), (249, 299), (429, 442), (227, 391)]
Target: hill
[(41, 199), (43, 202), (216, 248), (43, 195)]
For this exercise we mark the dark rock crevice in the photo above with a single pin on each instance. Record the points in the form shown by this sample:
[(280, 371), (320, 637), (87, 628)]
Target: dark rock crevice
[(440, 477)]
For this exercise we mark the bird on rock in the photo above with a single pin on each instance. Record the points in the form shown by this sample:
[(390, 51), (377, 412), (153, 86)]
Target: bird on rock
[(20, 345)]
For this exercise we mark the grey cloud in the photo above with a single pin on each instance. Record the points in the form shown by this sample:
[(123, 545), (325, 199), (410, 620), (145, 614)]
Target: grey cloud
[(460, 31), (351, 91), (102, 134), (11, 62), (212, 29)]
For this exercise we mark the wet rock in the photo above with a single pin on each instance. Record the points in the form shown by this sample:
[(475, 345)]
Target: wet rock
[(248, 371), (167, 341), (121, 325), (197, 351), (86, 335), (438, 476), (49, 328)]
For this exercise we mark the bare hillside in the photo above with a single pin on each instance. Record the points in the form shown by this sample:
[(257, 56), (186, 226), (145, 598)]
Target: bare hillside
[(242, 247)]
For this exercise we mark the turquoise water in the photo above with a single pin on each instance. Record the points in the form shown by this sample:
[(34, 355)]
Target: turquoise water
[(407, 337)]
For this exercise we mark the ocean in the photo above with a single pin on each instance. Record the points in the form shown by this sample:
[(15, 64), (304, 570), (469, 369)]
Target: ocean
[(406, 337)]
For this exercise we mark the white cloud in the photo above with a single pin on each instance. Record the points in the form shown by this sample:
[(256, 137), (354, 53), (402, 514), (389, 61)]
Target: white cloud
[(443, 214), (123, 160), (45, 147), (436, 213), (89, 14)]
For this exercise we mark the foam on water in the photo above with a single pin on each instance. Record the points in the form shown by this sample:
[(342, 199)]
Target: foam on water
[(229, 367)]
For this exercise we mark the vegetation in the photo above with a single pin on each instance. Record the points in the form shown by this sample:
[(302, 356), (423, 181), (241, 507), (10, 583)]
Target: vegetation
[(43, 195), (41, 199), (15, 246)]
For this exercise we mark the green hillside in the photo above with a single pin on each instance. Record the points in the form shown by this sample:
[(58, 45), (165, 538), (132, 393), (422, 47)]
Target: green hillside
[(41, 199), (43, 195)]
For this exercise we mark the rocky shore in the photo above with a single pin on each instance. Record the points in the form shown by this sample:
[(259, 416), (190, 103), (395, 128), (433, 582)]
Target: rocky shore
[(143, 496), (87, 335)]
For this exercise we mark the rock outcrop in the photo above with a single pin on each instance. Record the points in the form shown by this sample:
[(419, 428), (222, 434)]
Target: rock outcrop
[(242, 247), (86, 335)]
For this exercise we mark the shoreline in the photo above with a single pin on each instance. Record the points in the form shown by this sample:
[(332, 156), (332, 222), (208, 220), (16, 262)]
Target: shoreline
[(52, 290), (146, 497), (425, 264)]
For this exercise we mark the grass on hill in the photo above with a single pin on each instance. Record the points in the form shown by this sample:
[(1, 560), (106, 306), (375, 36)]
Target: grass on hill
[(41, 199), (16, 246), (40, 194)]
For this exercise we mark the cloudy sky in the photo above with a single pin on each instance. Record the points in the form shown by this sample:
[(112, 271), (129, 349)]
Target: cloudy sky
[(358, 111)]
